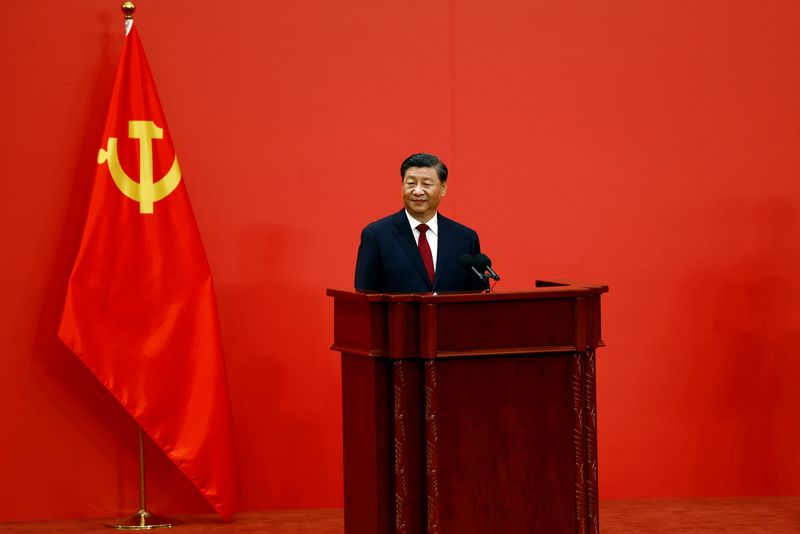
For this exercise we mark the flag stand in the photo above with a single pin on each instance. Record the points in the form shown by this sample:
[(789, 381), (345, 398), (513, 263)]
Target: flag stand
[(142, 520)]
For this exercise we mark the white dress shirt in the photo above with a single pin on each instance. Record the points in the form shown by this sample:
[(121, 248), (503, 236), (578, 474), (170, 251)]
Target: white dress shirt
[(432, 235)]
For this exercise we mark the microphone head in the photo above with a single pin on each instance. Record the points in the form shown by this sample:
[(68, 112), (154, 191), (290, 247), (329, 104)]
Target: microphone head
[(483, 260), (466, 261)]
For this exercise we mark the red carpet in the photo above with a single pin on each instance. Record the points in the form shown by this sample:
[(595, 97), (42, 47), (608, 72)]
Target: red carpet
[(756, 515)]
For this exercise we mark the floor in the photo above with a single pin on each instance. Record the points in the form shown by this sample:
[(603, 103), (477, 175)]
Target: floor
[(758, 515)]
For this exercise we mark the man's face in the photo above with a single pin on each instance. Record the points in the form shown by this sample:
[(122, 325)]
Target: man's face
[(422, 192)]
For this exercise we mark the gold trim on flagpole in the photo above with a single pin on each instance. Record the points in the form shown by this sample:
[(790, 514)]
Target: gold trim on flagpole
[(128, 8)]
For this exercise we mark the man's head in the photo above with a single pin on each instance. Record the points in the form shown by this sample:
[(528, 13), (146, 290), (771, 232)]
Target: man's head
[(424, 184)]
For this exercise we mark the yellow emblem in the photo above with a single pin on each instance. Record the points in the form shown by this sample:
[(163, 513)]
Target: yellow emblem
[(145, 191)]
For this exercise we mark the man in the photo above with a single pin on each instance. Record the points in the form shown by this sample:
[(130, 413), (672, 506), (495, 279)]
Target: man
[(417, 250)]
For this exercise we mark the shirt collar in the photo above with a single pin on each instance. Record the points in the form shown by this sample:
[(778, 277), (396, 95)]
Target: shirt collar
[(433, 223)]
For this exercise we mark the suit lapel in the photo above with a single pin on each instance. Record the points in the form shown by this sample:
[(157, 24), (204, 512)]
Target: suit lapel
[(404, 236), (443, 250)]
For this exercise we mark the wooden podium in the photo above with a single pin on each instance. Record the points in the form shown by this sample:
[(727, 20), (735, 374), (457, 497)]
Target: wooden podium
[(470, 412)]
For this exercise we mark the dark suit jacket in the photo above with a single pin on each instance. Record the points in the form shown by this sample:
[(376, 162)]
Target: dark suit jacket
[(389, 260)]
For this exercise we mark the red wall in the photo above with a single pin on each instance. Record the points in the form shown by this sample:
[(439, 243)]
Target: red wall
[(653, 146)]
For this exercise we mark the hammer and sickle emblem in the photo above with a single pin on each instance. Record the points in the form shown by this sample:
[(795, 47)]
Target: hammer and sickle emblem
[(145, 191)]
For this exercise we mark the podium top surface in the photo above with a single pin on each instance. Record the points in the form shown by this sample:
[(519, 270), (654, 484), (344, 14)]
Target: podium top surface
[(544, 289), (555, 317)]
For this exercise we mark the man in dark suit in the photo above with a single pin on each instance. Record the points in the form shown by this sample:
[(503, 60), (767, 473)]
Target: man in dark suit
[(417, 250)]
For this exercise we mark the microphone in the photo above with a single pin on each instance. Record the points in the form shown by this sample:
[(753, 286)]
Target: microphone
[(468, 262), (482, 260)]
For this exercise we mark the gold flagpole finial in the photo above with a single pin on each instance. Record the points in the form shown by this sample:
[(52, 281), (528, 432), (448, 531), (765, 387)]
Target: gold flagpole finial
[(128, 8)]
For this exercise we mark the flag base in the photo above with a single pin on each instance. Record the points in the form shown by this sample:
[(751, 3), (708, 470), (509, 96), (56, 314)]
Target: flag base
[(143, 520)]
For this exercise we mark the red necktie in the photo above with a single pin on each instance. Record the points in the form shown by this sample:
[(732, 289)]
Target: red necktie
[(425, 250)]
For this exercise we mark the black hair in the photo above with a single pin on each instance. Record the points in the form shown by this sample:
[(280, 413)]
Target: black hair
[(424, 160)]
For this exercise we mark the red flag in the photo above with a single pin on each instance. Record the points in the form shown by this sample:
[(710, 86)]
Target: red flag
[(140, 309)]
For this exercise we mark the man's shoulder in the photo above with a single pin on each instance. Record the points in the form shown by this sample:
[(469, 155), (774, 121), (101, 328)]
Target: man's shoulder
[(454, 226), (386, 222)]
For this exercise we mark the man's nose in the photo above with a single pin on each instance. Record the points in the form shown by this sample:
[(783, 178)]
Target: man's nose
[(418, 190)]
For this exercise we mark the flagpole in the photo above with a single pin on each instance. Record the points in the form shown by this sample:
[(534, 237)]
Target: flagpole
[(142, 519)]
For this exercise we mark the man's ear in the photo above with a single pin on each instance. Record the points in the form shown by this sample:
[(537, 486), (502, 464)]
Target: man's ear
[(444, 188)]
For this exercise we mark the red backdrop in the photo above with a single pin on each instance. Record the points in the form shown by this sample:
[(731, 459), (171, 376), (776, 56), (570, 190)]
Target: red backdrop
[(653, 146)]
